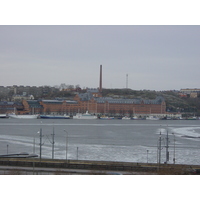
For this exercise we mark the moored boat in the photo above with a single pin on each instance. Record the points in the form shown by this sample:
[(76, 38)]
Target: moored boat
[(84, 116), (125, 117), (192, 118), (137, 118), (23, 116), (3, 116), (106, 118), (54, 116), (152, 118)]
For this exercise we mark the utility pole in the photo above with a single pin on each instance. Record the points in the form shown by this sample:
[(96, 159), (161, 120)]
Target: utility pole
[(159, 149), (41, 143), (53, 142), (34, 145), (167, 147), (7, 148)]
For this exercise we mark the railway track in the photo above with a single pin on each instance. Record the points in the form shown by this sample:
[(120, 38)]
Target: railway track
[(101, 165)]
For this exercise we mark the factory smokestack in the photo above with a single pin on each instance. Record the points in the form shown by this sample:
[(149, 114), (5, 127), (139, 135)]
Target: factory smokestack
[(100, 81)]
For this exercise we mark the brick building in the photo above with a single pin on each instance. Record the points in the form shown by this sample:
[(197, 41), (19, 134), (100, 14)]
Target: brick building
[(9, 107), (98, 105), (108, 105), (88, 102)]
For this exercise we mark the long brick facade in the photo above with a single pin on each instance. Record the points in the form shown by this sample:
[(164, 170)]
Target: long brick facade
[(98, 105)]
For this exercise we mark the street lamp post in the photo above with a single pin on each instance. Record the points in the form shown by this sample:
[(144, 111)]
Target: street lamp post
[(147, 155)]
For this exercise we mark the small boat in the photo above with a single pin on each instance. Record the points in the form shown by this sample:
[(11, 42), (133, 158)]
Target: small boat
[(137, 118), (54, 116), (3, 116), (191, 118), (84, 116), (23, 116), (106, 118), (152, 118), (125, 117)]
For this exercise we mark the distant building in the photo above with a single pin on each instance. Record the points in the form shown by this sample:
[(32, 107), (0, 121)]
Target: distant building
[(108, 105), (94, 92), (98, 105), (189, 91), (21, 97), (182, 94), (193, 93), (9, 107)]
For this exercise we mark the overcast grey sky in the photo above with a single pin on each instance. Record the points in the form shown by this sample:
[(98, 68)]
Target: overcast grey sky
[(154, 57)]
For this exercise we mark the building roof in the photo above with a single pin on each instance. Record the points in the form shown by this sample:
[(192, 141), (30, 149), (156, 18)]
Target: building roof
[(59, 101), (85, 96), (34, 104), (93, 90), (52, 101), (10, 103), (88, 96), (71, 102), (158, 100)]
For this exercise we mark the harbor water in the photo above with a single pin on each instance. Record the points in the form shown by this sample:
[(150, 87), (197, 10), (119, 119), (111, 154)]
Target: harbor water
[(103, 140)]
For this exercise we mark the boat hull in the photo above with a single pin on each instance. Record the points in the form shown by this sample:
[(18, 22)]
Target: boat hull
[(84, 116), (23, 116), (3, 116), (54, 117), (106, 118)]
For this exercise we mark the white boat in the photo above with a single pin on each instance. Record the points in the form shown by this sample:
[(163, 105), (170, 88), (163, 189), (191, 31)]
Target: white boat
[(3, 116), (23, 116), (13, 115), (126, 117), (152, 118), (134, 117), (137, 118), (84, 116), (106, 118)]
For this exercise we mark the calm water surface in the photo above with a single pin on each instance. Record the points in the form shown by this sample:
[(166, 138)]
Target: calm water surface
[(112, 140)]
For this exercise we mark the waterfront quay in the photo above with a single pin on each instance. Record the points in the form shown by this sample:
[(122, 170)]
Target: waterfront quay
[(18, 166)]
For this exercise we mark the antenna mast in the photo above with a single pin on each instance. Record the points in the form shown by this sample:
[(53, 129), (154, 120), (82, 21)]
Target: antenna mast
[(126, 81)]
